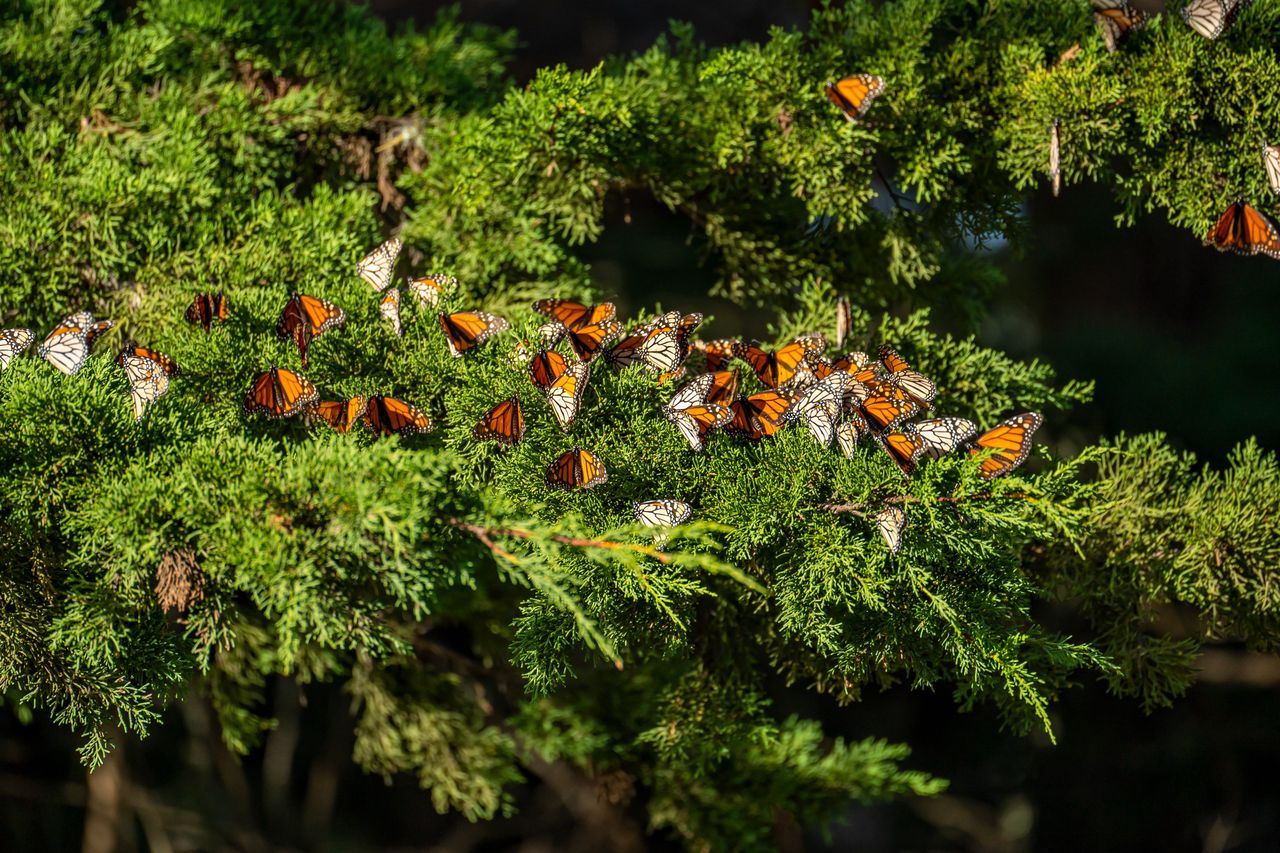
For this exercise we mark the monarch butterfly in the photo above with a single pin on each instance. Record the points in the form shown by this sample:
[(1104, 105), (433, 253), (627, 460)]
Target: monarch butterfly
[(777, 368), (759, 415), (853, 95), (1115, 20), (724, 386), (279, 393), (692, 392), (389, 308), (692, 415), (387, 415), (166, 363), (428, 289), (565, 394), (671, 375), (943, 435), (915, 384), (589, 341), (719, 352), (67, 346), (1011, 441), (148, 381), (575, 315), (1055, 156), (1210, 18), (820, 405), (857, 365), (1271, 164), (849, 431), (504, 423), (657, 347), (844, 321), (887, 405), (904, 447), (1245, 231), (577, 469), (305, 318), (891, 522), (661, 513), (684, 330), (13, 342), (342, 415), (206, 308), (546, 367), (375, 268), (467, 329)]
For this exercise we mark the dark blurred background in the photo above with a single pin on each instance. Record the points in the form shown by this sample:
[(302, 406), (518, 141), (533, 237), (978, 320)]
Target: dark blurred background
[(1178, 338)]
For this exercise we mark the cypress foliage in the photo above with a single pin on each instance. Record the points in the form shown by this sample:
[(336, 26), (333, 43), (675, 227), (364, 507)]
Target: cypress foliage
[(157, 149)]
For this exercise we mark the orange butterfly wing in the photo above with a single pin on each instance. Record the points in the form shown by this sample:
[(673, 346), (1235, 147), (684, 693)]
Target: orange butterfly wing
[(279, 393), (504, 423), (1011, 441), (547, 366), (342, 415), (465, 330), (853, 95), (887, 405), (724, 386), (589, 340), (167, 364), (577, 469), (903, 448), (1245, 231)]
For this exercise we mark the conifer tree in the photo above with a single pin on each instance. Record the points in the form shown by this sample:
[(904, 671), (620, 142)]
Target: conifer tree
[(157, 149)]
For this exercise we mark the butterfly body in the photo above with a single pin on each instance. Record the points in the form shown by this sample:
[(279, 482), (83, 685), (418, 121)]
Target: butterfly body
[(306, 318)]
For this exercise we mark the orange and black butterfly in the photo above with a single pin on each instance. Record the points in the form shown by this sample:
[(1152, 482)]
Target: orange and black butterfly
[(719, 352), (577, 469), (466, 330), (887, 405), (206, 308), (1245, 231), (778, 367), (589, 340), (575, 315), (504, 423), (916, 384), (724, 386), (167, 364), (1116, 19), (546, 367), (342, 415), (1211, 18), (13, 342), (904, 447), (853, 95), (565, 394), (280, 393), (758, 415), (848, 432), (656, 345), (1011, 441), (388, 415), (305, 318)]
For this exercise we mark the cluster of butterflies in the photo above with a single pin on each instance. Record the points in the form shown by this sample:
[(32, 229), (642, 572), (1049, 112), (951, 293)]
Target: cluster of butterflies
[(1241, 228), (1116, 19)]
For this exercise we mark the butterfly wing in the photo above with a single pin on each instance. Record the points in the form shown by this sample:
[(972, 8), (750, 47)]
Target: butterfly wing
[(719, 352), (904, 447), (887, 405), (591, 471), (1245, 231), (66, 348), (854, 94), (504, 423), (1209, 17), (376, 266), (661, 513), (577, 469), (694, 422), (321, 315), (342, 415), (943, 435), (1115, 20), (1271, 164), (723, 387), (12, 343), (1011, 442), (280, 393), (848, 432), (390, 309), (428, 289), (589, 340), (546, 367), (1055, 156), (148, 382), (387, 415), (891, 522), (844, 321), (565, 394), (692, 393), (166, 363), (466, 330)]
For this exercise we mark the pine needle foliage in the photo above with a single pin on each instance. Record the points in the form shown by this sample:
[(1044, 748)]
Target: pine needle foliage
[(155, 149)]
